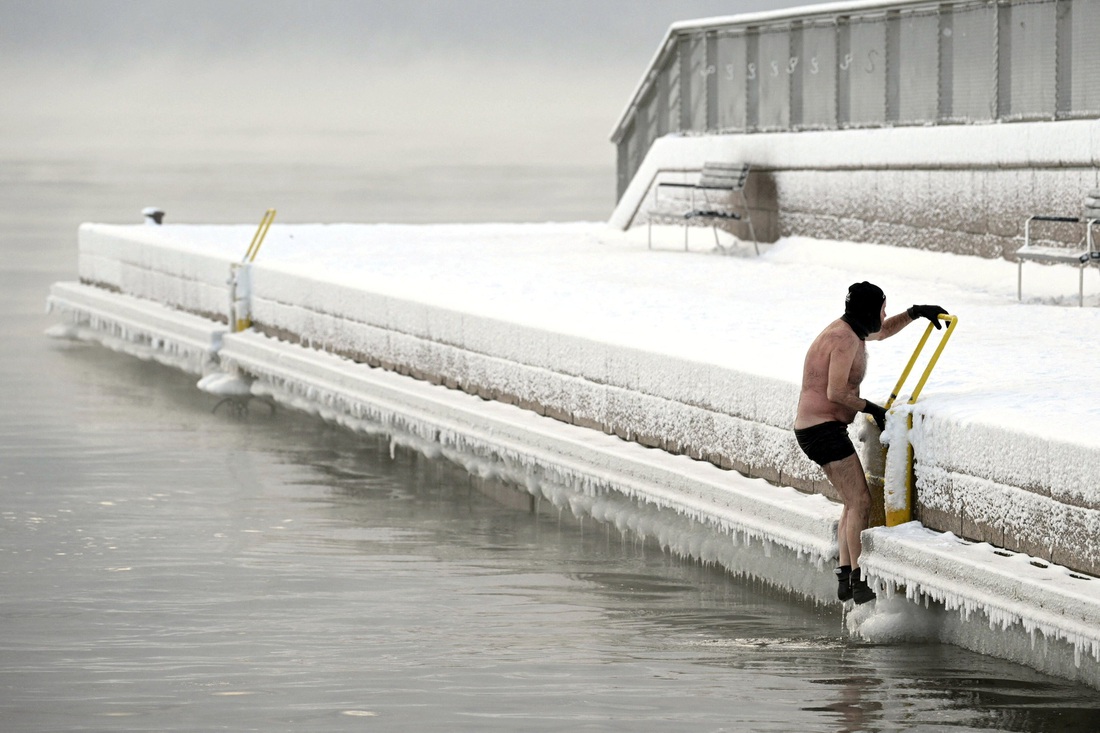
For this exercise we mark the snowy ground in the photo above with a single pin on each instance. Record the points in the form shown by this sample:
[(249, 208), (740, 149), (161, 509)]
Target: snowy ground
[(1022, 366), (1025, 367)]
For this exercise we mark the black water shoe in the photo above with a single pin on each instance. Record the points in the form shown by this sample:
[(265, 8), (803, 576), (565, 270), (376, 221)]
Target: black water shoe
[(861, 592), (843, 584)]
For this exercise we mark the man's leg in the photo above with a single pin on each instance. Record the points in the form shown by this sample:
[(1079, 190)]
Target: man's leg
[(843, 554), (847, 477), (844, 570)]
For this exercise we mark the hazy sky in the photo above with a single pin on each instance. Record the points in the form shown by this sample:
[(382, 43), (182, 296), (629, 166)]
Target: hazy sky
[(382, 83), (117, 32)]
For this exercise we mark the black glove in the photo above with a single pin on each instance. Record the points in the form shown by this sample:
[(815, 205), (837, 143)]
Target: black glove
[(877, 412), (931, 312)]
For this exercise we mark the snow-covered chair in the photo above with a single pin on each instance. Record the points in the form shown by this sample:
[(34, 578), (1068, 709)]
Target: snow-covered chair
[(729, 205), (1081, 255)]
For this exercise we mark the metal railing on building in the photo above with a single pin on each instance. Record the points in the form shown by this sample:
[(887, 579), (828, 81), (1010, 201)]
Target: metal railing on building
[(867, 64)]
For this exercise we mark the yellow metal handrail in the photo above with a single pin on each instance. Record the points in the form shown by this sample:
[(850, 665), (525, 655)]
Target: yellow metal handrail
[(950, 329), (240, 281), (903, 514), (258, 237)]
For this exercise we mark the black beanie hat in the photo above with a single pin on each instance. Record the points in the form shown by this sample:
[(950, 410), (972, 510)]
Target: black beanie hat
[(862, 308)]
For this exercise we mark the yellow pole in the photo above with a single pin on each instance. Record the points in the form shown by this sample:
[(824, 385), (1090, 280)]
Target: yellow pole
[(240, 277), (258, 237), (909, 366), (948, 330), (904, 514)]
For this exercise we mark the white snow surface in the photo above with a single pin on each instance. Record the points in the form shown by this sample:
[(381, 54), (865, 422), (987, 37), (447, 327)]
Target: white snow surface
[(1008, 402), (1018, 368), (1027, 145), (1008, 406)]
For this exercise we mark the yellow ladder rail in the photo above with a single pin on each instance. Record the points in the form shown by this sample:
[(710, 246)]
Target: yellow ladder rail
[(951, 321), (258, 237), (904, 514), (240, 281), (949, 329)]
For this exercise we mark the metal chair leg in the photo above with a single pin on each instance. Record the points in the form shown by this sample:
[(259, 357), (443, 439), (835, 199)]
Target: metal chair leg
[(748, 220)]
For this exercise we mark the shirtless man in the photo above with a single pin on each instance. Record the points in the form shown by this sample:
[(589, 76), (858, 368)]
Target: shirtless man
[(835, 366)]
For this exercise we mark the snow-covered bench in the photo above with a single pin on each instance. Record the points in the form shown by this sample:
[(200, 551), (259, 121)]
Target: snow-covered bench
[(1084, 254), (728, 178)]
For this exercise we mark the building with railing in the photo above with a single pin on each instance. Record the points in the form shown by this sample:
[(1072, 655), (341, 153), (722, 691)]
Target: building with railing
[(926, 83)]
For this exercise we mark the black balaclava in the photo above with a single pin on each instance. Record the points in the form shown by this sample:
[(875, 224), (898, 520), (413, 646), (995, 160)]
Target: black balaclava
[(863, 308)]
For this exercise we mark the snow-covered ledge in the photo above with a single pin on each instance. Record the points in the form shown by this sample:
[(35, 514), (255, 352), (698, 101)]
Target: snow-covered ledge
[(953, 188), (975, 479), (1039, 614)]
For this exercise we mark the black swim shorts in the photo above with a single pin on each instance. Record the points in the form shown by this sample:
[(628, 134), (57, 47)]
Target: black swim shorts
[(826, 442)]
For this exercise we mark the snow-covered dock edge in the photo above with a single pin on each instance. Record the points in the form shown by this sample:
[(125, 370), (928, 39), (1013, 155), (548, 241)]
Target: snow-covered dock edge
[(594, 473)]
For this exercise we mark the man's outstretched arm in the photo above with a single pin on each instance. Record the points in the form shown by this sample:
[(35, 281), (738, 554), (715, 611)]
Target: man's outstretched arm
[(893, 324)]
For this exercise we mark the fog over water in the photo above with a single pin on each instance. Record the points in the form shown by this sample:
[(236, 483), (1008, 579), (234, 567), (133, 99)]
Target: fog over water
[(433, 100)]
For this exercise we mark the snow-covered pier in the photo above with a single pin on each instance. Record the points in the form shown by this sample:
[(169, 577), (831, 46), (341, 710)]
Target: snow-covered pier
[(588, 370)]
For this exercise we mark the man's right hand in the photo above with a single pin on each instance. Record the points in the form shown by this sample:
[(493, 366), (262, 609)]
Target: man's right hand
[(877, 412)]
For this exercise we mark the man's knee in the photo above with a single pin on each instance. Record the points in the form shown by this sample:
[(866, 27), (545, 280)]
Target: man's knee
[(859, 503)]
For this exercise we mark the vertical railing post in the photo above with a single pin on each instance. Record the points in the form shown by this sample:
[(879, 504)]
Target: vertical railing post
[(240, 296), (1063, 59), (712, 77), (946, 40), (683, 50), (240, 278)]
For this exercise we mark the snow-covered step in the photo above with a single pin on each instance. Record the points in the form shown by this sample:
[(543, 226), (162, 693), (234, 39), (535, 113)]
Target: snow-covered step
[(1008, 588), (136, 326)]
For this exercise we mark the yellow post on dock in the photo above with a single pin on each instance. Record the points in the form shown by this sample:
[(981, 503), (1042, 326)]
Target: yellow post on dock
[(240, 278), (258, 237), (903, 512)]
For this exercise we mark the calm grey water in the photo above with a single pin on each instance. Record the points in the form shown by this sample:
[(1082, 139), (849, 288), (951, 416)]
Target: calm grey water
[(164, 567)]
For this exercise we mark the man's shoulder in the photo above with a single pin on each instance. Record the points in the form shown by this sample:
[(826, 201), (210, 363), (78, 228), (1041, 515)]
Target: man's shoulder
[(839, 334)]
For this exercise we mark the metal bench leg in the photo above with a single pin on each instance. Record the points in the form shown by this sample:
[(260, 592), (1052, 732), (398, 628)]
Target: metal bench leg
[(748, 220), (650, 225), (1019, 280), (1081, 287)]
